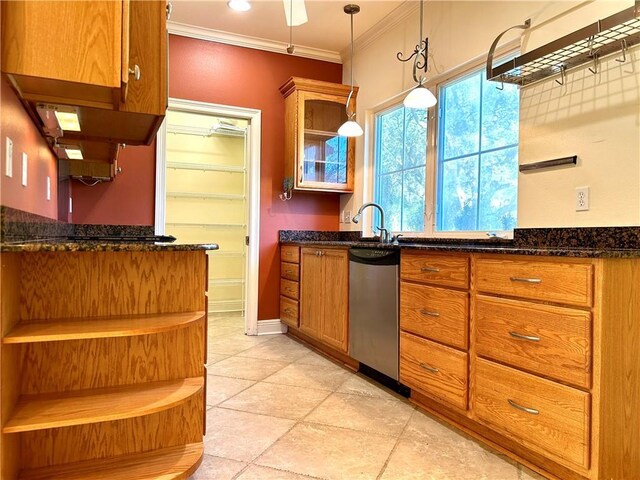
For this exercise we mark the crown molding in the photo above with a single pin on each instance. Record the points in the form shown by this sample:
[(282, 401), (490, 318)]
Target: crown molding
[(392, 20), (246, 41)]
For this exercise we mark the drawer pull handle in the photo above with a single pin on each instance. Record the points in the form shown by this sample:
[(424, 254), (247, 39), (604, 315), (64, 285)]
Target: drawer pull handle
[(526, 280), (427, 312), (532, 411), (429, 270), (429, 368), (520, 336)]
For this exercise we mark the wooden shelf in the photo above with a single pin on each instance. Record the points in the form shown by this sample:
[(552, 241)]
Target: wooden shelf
[(99, 327), (39, 412), (166, 464)]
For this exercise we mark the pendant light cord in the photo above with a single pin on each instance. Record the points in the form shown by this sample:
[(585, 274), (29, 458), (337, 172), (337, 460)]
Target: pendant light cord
[(291, 23), (350, 116)]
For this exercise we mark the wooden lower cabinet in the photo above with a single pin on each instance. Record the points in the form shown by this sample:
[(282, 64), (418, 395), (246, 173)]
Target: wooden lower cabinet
[(324, 295), (552, 370), (102, 372)]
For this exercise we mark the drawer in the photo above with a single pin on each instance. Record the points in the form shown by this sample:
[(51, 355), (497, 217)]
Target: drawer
[(544, 339), (289, 311), (540, 414), (435, 313), (289, 288), (434, 370), (290, 253), (562, 282), (447, 270), (290, 271)]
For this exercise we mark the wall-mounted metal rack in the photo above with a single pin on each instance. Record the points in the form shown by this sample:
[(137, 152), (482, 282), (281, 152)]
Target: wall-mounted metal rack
[(556, 162), (615, 33)]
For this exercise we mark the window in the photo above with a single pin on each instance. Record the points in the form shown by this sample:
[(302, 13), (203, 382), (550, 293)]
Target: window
[(399, 170), (477, 157)]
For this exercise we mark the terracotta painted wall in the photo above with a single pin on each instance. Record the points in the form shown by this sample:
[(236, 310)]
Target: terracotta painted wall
[(16, 124), (128, 200), (242, 77)]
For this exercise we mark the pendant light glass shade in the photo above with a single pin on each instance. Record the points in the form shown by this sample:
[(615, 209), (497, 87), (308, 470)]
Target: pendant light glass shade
[(420, 97), (350, 128)]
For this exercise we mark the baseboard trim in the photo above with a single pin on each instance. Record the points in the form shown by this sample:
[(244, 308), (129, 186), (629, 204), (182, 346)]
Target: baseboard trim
[(271, 327)]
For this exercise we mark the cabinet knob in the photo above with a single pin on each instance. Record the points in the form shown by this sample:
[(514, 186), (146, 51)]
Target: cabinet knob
[(135, 71)]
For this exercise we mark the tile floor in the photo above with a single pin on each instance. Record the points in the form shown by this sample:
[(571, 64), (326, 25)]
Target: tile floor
[(277, 410)]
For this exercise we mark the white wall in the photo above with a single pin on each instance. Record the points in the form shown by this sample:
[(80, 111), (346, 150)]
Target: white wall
[(595, 117)]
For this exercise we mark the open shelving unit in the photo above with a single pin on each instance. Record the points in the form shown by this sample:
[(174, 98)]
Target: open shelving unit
[(102, 372)]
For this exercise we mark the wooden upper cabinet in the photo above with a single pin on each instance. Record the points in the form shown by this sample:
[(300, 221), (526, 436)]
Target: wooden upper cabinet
[(316, 157), (87, 55)]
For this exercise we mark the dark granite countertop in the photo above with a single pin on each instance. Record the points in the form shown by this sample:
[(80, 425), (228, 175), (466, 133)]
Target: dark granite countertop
[(63, 245), (600, 242)]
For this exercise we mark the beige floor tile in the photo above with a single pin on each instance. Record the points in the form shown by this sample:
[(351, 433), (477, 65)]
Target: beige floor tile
[(234, 344), (216, 468), (329, 452), (215, 357), (425, 428), (284, 401), (528, 474), (313, 358), (241, 436), (419, 460), (325, 377), (357, 385), (255, 472), (245, 368), (387, 416), (276, 349), (220, 389)]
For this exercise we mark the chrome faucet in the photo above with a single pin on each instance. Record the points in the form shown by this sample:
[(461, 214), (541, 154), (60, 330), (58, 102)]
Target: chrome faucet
[(384, 233)]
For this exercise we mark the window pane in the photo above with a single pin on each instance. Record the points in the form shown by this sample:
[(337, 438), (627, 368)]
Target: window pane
[(500, 115), (458, 199), (413, 200), (499, 190), (391, 135), (390, 199), (462, 117), (415, 140)]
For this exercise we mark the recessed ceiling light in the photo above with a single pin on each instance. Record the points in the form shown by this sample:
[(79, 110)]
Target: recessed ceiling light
[(239, 5)]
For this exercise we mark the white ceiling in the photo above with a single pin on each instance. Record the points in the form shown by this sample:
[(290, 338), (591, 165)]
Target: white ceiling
[(327, 29)]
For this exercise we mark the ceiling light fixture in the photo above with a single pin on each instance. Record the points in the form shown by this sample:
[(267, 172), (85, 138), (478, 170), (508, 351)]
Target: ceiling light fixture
[(239, 5), (420, 96), (350, 128), (295, 12)]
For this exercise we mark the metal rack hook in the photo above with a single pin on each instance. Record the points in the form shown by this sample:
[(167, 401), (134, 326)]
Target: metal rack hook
[(501, 87), (594, 70), (624, 46), (563, 77)]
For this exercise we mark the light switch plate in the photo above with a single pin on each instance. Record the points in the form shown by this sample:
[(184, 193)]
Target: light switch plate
[(8, 158), (24, 169)]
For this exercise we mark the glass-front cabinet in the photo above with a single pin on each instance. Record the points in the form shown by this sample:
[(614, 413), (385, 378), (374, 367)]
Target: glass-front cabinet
[(316, 157)]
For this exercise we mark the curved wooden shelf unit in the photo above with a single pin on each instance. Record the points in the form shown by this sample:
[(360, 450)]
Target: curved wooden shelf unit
[(165, 464), (99, 327), (39, 412)]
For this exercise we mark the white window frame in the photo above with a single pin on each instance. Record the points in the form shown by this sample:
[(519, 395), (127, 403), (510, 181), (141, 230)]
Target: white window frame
[(431, 176)]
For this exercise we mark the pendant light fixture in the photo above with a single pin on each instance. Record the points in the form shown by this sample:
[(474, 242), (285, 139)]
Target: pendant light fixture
[(350, 128), (420, 96)]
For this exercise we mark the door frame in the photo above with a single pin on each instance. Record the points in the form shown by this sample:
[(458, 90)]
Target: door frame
[(254, 118)]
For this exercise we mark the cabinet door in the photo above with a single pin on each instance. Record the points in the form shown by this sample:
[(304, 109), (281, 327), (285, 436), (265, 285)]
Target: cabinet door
[(325, 159), (148, 55), (334, 328), (311, 292)]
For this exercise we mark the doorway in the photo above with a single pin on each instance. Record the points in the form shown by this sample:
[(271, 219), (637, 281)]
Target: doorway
[(207, 191)]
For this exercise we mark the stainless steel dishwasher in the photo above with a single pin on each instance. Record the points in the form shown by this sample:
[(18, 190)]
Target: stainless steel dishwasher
[(373, 309)]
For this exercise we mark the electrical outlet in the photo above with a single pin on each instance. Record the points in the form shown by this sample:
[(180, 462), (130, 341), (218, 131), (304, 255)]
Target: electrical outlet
[(582, 199), (8, 158), (346, 216), (48, 188), (24, 169), (70, 205)]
